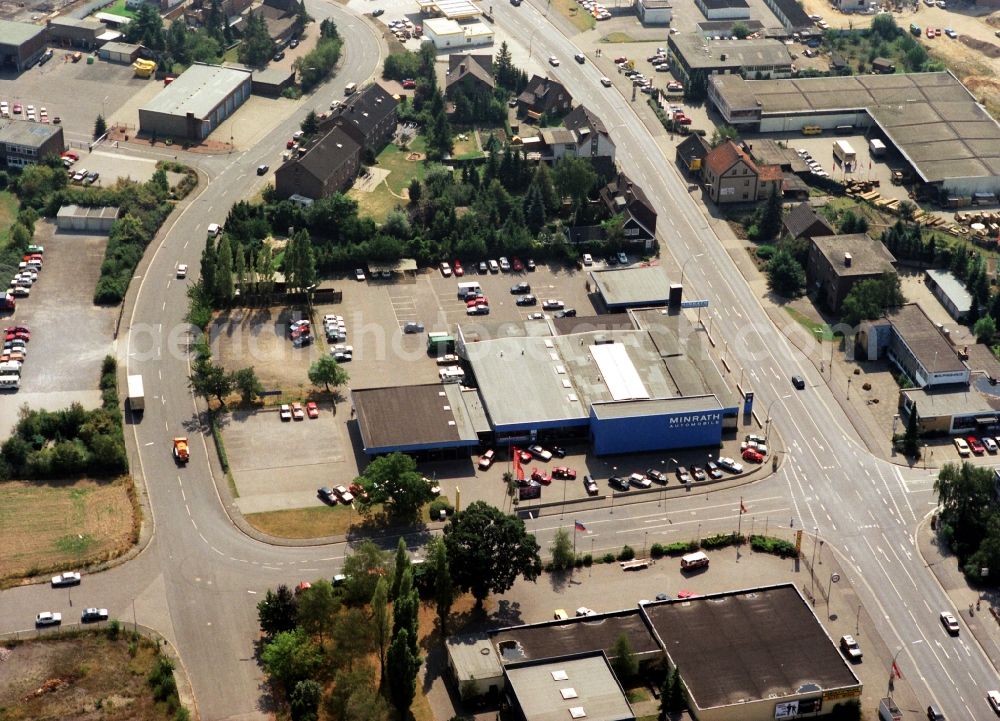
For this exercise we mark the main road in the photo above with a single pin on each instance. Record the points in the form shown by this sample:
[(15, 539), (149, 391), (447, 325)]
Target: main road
[(865, 507)]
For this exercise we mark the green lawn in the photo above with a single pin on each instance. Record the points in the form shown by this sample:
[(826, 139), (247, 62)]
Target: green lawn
[(8, 212), (118, 8), (812, 326), (618, 37), (232, 55), (466, 149), (576, 14), (383, 199)]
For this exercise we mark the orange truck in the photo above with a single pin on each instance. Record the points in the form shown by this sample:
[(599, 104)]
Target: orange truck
[(181, 454)]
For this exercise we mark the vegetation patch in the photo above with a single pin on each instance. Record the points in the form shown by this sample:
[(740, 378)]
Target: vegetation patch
[(577, 15), (618, 37), (99, 674), (53, 526), (8, 212), (316, 522)]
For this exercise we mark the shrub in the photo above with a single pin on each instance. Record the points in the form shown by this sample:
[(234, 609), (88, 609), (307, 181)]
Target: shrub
[(765, 252), (114, 628), (608, 558), (440, 504), (776, 546), (721, 540), (656, 551), (588, 560), (220, 447), (679, 548), (627, 554)]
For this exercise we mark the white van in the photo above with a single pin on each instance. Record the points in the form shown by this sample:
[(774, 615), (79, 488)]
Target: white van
[(10, 368), (467, 289), (494, 266), (214, 229), (695, 560), (350, 88), (10, 382)]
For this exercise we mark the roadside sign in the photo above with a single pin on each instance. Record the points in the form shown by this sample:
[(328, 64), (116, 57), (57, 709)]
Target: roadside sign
[(269, 393), (835, 578), (694, 304)]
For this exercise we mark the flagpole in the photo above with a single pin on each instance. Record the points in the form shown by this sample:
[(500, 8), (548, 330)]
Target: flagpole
[(739, 525)]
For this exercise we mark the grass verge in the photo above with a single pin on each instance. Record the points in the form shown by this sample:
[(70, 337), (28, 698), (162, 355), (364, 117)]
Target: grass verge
[(618, 37), (8, 212), (56, 525), (316, 522), (817, 329)]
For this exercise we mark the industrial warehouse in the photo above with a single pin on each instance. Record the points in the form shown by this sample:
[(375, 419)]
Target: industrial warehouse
[(194, 104), (735, 662), (642, 383), (939, 128)]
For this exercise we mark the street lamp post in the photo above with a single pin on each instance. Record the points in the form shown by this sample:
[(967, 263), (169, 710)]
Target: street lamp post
[(684, 265), (848, 388), (812, 588), (767, 416)]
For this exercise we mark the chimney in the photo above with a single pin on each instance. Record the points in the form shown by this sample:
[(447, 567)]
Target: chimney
[(847, 260), (461, 68)]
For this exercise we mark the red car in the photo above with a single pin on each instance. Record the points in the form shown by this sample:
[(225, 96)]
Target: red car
[(18, 329), (409, 84), (683, 119), (517, 265), (976, 446), (17, 108), (524, 457), (312, 410), (621, 59), (751, 454), (564, 472), (537, 475), (289, 144), (457, 269), (686, 594)]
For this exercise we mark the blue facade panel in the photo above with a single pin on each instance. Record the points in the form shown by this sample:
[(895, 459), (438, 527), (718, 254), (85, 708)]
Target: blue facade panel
[(417, 447), (660, 432)]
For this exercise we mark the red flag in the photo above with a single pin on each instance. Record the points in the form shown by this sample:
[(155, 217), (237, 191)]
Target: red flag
[(579, 526), (743, 509), (895, 670)]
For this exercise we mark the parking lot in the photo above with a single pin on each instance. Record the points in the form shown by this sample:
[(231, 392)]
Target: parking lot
[(75, 92), (69, 334), (296, 459), (112, 165)]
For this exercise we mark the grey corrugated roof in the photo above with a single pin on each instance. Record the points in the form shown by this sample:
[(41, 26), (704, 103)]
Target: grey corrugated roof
[(198, 90), (25, 132), (953, 288), (12, 33)]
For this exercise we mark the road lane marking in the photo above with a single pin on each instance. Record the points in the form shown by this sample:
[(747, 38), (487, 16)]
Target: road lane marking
[(183, 496), (193, 523)]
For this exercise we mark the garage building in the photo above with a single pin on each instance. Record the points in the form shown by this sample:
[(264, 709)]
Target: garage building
[(21, 44), (194, 104), (124, 53), (76, 33), (446, 33), (654, 12), (91, 220)]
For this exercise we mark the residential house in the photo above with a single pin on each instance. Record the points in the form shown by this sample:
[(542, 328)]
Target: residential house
[(328, 166), (280, 18), (837, 263), (691, 153), (732, 175), (471, 73), (369, 116), (622, 196), (593, 139), (804, 222), (544, 96)]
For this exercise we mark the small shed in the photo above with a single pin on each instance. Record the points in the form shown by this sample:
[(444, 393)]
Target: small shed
[(474, 666), (93, 220), (124, 53)]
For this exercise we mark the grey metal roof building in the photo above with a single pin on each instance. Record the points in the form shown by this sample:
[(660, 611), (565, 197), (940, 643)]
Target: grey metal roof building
[(693, 54), (194, 104), (640, 286), (931, 118), (21, 44), (950, 291)]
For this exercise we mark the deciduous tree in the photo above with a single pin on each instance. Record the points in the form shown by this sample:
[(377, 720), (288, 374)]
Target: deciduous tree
[(327, 372), (488, 550), (290, 657), (393, 482), (784, 275)]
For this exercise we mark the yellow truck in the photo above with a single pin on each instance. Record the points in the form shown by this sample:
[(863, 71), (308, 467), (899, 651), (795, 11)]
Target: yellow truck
[(144, 68)]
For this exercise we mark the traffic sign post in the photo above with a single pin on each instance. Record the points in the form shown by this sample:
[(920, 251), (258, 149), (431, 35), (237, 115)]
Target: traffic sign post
[(694, 304)]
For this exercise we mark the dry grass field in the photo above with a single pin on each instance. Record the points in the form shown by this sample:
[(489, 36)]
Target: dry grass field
[(84, 677), (59, 525)]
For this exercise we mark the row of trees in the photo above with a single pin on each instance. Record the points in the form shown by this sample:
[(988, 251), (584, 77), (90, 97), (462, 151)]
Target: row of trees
[(316, 66), (969, 520)]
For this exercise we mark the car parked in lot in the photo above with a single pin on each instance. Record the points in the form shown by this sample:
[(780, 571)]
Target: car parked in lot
[(639, 480), (553, 305), (285, 412), (564, 472), (752, 455), (989, 444), (327, 495), (975, 445), (345, 496), (525, 300), (659, 476), (486, 460), (682, 474), (91, 615), (540, 453), (618, 482), (69, 578), (445, 269), (458, 269), (48, 618), (950, 623), (713, 470), (590, 486), (962, 447), (520, 288), (698, 473), (540, 477), (524, 456)]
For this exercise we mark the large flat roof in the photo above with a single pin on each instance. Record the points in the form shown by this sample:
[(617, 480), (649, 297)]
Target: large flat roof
[(657, 406), (569, 688), (925, 340), (439, 407), (934, 121), (947, 402), (749, 645), (14, 33), (699, 52), (868, 256), (26, 132), (631, 287), (575, 635), (198, 90)]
